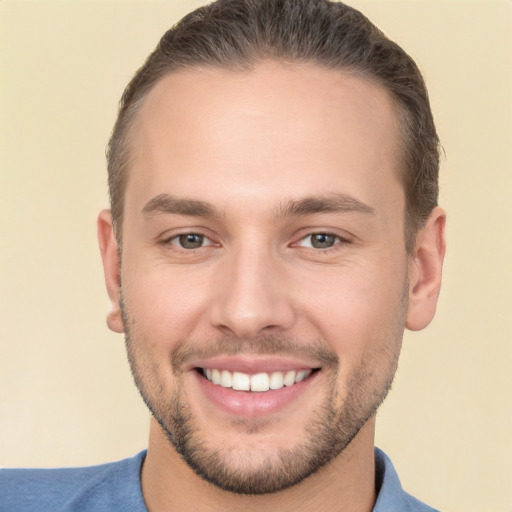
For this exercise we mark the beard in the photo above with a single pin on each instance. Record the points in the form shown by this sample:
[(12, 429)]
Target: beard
[(332, 425)]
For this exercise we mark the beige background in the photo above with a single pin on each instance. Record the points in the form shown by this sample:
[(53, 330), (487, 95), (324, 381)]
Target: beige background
[(66, 396)]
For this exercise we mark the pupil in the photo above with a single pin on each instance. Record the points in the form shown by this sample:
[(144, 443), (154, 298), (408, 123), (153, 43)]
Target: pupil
[(191, 241), (322, 240)]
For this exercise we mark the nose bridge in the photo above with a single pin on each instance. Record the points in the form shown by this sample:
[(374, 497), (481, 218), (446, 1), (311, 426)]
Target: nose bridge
[(251, 297)]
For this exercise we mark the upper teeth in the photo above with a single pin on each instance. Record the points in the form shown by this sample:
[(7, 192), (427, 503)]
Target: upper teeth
[(258, 382)]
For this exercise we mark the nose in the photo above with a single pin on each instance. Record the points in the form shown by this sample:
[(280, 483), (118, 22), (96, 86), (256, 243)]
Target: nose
[(251, 297)]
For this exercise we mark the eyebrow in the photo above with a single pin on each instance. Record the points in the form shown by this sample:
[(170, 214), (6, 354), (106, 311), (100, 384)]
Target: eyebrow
[(167, 204), (332, 203)]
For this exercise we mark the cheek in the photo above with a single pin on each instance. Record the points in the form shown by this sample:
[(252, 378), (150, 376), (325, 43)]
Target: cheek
[(357, 309), (165, 303)]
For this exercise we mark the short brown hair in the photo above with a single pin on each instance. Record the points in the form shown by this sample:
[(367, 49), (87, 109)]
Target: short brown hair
[(237, 34)]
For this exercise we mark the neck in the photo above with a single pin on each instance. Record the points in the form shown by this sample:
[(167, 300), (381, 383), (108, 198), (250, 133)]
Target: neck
[(347, 483)]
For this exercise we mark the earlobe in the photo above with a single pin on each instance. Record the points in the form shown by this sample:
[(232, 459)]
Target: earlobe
[(425, 271), (111, 268)]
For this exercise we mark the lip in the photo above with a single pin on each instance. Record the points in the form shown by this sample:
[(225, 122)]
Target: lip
[(252, 365), (252, 404)]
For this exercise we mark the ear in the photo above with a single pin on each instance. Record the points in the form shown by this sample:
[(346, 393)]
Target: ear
[(112, 269), (425, 269)]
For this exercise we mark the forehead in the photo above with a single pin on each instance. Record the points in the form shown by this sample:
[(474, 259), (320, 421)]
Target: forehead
[(300, 127)]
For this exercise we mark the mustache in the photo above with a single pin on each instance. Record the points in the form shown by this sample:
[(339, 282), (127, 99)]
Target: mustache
[(268, 345)]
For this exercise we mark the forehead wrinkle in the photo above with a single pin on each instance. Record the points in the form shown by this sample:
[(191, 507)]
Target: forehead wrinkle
[(331, 203), (168, 204)]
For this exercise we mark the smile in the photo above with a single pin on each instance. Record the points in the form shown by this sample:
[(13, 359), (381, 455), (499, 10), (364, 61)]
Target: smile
[(259, 382)]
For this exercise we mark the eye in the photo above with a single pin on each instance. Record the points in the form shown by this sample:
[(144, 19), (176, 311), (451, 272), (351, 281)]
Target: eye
[(320, 241), (190, 241)]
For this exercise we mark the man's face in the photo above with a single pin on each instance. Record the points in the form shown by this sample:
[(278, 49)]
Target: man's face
[(263, 247)]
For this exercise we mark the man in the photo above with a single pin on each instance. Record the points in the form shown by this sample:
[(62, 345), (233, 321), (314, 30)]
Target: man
[(273, 229)]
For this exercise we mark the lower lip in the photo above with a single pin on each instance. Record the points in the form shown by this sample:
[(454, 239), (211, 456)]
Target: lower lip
[(253, 403)]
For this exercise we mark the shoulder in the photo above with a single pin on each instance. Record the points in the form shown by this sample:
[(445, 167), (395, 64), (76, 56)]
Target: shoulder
[(112, 486), (391, 497)]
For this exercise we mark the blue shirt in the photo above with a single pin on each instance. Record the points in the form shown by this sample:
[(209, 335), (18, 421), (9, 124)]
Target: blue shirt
[(116, 486)]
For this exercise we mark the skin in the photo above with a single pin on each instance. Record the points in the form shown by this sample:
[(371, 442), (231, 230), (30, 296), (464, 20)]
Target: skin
[(248, 145)]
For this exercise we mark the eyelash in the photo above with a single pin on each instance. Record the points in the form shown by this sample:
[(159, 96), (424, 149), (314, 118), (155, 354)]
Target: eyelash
[(170, 240), (338, 242)]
